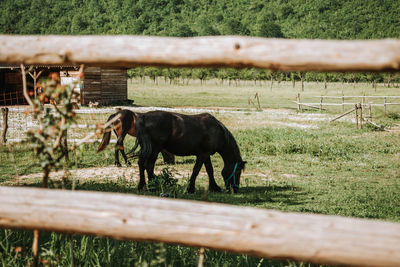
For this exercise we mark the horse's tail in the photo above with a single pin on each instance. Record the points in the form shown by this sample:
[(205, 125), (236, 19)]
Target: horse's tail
[(143, 138), (106, 136)]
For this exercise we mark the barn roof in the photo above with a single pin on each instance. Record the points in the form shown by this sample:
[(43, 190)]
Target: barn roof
[(7, 66)]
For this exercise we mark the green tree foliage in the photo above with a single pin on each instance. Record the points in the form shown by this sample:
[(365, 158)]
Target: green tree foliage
[(323, 19)]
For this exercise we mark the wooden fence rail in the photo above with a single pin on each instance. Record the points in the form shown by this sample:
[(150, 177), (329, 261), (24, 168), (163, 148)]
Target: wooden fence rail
[(228, 51), (321, 103), (259, 232)]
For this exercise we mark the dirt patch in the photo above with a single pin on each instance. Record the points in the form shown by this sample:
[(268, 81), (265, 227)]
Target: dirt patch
[(110, 173)]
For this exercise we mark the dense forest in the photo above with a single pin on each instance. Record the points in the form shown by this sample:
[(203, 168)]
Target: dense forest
[(313, 19)]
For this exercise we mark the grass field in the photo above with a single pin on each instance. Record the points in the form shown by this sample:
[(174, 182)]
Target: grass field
[(327, 168), (236, 95)]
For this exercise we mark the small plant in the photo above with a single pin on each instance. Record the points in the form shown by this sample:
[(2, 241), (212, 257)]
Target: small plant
[(394, 115), (165, 184), (48, 138)]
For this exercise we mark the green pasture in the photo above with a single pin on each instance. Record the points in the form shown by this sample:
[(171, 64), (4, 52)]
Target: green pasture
[(329, 168), (213, 93)]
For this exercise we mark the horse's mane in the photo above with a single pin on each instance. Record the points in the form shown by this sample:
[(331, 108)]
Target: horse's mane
[(230, 140)]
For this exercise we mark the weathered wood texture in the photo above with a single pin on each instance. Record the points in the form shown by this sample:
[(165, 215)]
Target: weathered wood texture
[(104, 84), (4, 111), (228, 51), (259, 232)]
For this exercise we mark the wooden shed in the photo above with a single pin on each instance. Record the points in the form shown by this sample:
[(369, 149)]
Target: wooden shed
[(105, 86), (10, 86)]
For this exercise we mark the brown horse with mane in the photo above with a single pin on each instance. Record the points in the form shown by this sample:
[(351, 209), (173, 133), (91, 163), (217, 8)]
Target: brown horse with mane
[(200, 135), (121, 127)]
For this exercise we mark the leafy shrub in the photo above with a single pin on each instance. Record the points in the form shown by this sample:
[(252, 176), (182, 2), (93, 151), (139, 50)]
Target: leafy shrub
[(165, 184), (394, 115)]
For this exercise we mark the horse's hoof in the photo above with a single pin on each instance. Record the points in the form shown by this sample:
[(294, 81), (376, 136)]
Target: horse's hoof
[(128, 163), (215, 189), (141, 187), (118, 164)]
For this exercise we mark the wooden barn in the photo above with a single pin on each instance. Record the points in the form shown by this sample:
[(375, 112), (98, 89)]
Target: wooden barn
[(105, 86)]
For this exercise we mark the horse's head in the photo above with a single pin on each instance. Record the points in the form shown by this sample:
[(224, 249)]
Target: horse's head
[(231, 174)]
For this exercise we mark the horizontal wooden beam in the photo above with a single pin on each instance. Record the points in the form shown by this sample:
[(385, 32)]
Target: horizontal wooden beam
[(224, 51), (258, 232)]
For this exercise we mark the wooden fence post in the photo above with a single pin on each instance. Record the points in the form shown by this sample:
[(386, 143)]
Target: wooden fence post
[(384, 104), (321, 103), (258, 101), (370, 111), (5, 125), (356, 117), (342, 103), (298, 103), (361, 114)]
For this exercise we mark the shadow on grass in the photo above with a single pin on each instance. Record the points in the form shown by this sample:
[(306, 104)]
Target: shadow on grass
[(262, 196), (259, 196)]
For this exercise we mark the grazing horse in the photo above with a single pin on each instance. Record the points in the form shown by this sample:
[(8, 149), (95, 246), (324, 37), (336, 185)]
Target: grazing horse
[(123, 126), (200, 135)]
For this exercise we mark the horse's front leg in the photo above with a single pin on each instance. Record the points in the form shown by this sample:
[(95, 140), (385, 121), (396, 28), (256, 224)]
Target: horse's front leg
[(212, 185), (125, 158), (196, 170), (142, 181), (120, 146), (116, 161)]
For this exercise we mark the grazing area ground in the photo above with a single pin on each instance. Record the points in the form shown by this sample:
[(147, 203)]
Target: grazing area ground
[(297, 162)]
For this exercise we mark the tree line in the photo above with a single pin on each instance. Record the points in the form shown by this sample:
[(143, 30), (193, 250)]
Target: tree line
[(322, 19), (233, 76)]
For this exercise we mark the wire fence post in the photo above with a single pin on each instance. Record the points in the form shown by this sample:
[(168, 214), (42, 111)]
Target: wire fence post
[(384, 104), (356, 117), (4, 111), (321, 103), (298, 102), (342, 103)]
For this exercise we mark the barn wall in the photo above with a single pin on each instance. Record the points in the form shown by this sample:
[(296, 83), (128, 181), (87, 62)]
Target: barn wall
[(11, 88), (91, 90), (104, 85), (114, 84)]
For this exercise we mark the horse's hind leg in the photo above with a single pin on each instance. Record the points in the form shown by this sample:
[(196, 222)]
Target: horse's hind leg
[(196, 170), (212, 185), (117, 132), (150, 165), (168, 157)]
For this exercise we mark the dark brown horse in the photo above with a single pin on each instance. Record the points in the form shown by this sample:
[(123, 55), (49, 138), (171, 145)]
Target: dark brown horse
[(200, 135), (121, 127)]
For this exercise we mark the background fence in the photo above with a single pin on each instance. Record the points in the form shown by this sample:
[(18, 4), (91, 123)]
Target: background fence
[(19, 121), (363, 100)]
